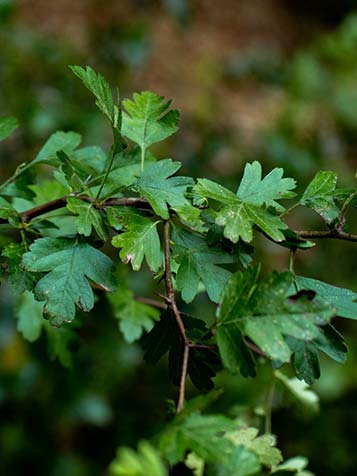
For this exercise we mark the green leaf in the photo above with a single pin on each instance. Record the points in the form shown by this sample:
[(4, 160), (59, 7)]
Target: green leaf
[(145, 462), (240, 213), (257, 191), (197, 263), (59, 341), (205, 435), (134, 317), (88, 217), (263, 446), (306, 361), (99, 87), (234, 352), (19, 279), (65, 141), (343, 300), (331, 343), (148, 120), (159, 189), (31, 322), (300, 391), (29, 315), (141, 239), (69, 265), (266, 312), (319, 195), (294, 465), (7, 126)]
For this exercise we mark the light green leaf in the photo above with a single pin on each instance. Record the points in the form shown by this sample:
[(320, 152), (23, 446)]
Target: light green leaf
[(159, 189), (205, 435), (238, 215), (88, 217), (134, 317), (319, 195), (266, 312), (29, 315), (300, 391), (294, 465), (197, 263), (263, 446), (31, 322), (7, 126), (343, 300), (65, 141), (148, 120), (145, 462), (256, 191), (99, 87), (141, 239), (69, 265)]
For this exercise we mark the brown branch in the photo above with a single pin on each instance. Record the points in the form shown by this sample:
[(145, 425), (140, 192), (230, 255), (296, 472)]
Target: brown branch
[(255, 348), (151, 302), (170, 298), (61, 202), (332, 234)]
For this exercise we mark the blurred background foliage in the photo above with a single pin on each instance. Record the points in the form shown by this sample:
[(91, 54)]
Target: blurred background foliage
[(272, 80)]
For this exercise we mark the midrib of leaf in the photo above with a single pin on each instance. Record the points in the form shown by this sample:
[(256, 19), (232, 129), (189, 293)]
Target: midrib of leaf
[(143, 147)]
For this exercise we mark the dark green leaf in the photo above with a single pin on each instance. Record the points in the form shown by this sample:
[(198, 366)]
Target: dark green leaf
[(197, 263), (69, 265), (341, 299)]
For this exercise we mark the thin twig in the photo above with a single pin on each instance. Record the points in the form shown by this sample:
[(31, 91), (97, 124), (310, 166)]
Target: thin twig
[(333, 234), (181, 397), (151, 302), (172, 303)]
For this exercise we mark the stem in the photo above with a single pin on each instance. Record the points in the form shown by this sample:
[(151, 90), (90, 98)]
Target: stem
[(107, 172), (170, 299), (343, 211), (334, 234), (181, 397), (268, 408)]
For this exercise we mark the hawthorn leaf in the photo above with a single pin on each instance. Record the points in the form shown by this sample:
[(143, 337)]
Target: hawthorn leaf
[(238, 215), (29, 314), (18, 279), (145, 462), (159, 189), (69, 264), (88, 217), (140, 240), (263, 446), (331, 343), (7, 126), (134, 317), (147, 119), (235, 354), (343, 300), (300, 391), (197, 263), (59, 141), (205, 435), (319, 195), (306, 361), (294, 465), (266, 312), (257, 191)]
